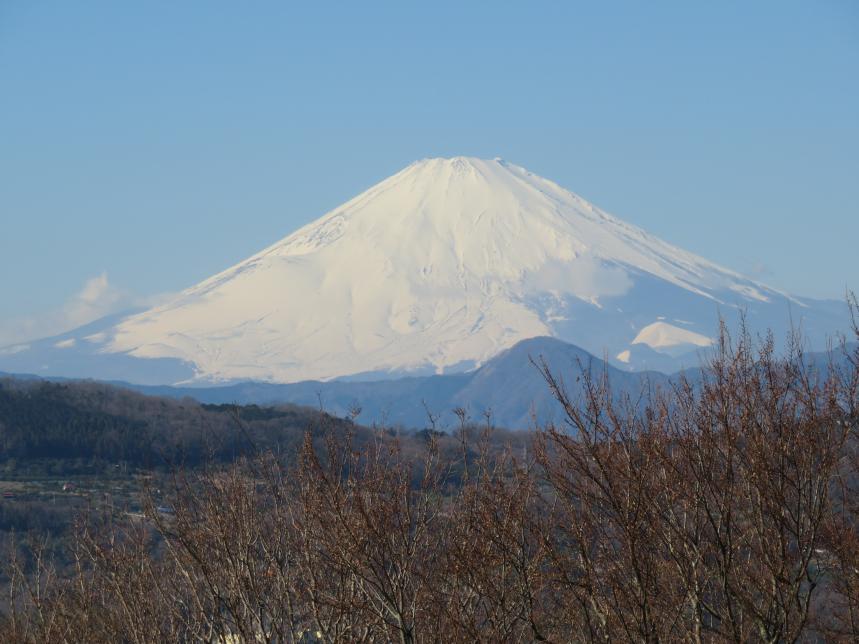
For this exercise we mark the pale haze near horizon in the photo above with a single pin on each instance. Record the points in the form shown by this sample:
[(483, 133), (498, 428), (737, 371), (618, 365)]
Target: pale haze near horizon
[(144, 148)]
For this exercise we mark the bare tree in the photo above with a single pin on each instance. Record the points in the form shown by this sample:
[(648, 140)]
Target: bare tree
[(722, 508)]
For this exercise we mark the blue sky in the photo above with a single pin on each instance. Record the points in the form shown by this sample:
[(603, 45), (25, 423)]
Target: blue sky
[(145, 146)]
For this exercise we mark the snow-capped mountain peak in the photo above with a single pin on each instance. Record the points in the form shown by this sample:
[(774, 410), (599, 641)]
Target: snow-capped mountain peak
[(439, 268)]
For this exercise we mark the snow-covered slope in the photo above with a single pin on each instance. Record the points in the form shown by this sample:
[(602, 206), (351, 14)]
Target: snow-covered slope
[(439, 268)]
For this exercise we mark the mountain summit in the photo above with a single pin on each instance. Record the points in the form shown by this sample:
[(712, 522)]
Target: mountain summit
[(439, 268)]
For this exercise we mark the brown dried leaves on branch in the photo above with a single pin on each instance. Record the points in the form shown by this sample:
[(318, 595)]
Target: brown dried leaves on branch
[(724, 508)]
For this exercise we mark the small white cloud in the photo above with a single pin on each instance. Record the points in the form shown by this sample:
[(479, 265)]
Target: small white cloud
[(585, 277), (17, 348), (95, 299), (66, 344)]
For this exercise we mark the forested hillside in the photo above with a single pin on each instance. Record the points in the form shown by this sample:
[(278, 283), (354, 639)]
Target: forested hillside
[(85, 427)]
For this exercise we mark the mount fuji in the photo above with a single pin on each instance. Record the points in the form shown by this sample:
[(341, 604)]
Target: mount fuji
[(437, 269)]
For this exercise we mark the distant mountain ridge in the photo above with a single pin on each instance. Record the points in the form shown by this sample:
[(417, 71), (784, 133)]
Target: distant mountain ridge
[(509, 387)]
